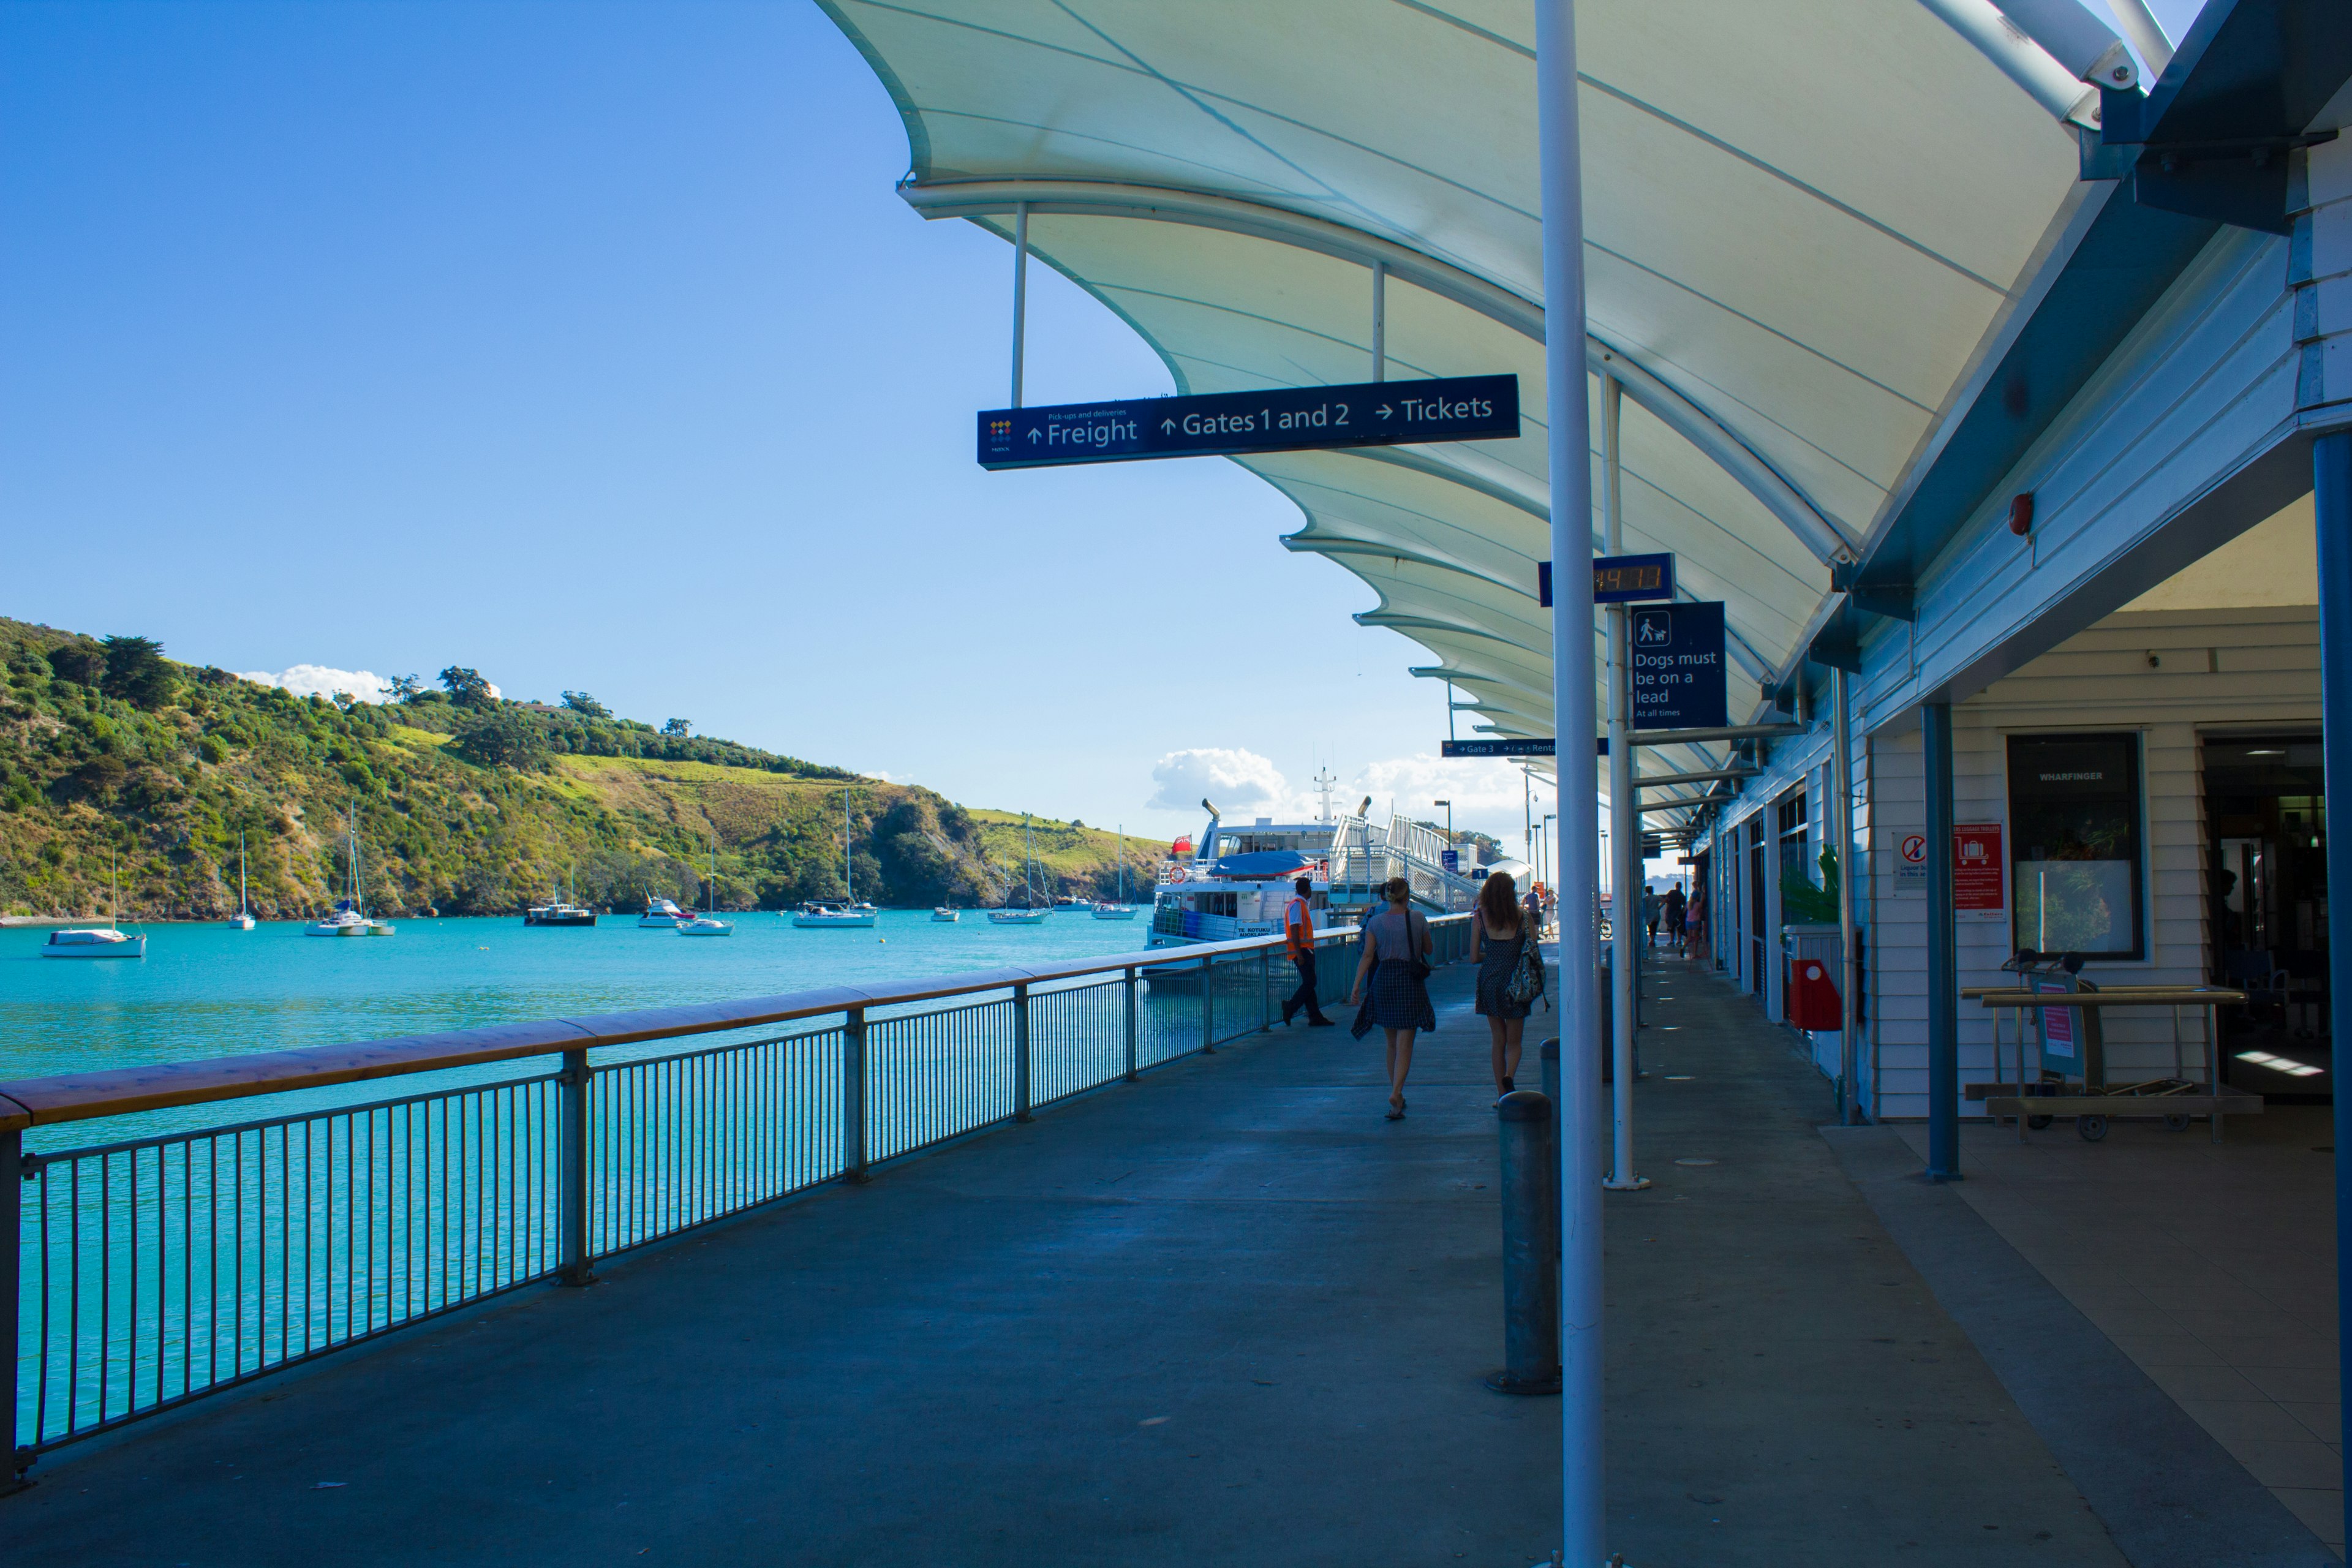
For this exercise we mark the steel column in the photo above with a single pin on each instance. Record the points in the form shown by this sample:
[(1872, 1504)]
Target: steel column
[(1021, 1053), (1131, 1027), (1624, 823), (572, 1265), (853, 1096), (1020, 293), (1849, 1105), (1943, 961), (1569, 440), (2331, 462)]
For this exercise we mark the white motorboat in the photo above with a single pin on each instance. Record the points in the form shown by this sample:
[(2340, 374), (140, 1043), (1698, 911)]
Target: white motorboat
[(350, 916), (709, 923), (820, 914), (1114, 911), (96, 942), (91, 941), (243, 919), (661, 914), (945, 914)]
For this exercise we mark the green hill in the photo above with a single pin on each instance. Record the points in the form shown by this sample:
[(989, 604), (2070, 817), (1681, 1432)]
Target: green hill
[(463, 803)]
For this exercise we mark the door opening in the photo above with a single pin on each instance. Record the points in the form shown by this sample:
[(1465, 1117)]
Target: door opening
[(2266, 887)]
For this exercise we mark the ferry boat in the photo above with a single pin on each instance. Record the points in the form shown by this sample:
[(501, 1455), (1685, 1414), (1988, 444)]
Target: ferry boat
[(1238, 883), (661, 914), (822, 913)]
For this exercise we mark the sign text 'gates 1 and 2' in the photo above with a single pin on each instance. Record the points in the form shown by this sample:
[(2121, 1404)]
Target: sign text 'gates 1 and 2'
[(1278, 419)]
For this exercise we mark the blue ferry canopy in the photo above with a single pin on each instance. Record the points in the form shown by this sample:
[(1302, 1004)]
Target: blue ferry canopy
[(1264, 863)]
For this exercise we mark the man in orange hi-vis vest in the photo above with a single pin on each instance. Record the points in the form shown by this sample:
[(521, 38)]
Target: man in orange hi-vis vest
[(1298, 937)]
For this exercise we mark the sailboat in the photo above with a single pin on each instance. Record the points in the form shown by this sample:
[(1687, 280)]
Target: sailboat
[(244, 921), (1032, 913), (819, 914), (89, 941), (709, 923), (350, 918), (1122, 910)]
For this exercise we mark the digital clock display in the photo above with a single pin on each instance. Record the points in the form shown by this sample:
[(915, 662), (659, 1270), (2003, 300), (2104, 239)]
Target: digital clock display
[(1619, 578)]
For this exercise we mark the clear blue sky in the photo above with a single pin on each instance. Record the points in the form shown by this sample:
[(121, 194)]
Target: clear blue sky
[(586, 345)]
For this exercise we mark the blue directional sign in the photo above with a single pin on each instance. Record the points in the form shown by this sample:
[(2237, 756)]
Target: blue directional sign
[(1678, 656), (1498, 748), (1279, 420)]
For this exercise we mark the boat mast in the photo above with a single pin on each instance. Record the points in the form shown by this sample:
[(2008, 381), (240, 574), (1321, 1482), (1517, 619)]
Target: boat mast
[(241, 901)]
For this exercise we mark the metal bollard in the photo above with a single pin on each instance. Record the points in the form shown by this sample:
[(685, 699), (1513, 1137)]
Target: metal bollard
[(1549, 1056), (572, 1084), (1530, 1248)]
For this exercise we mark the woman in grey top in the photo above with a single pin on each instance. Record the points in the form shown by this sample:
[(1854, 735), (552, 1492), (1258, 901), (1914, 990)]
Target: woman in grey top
[(1396, 961), (1500, 929)]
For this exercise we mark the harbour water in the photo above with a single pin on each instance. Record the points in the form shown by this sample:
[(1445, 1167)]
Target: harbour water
[(210, 991)]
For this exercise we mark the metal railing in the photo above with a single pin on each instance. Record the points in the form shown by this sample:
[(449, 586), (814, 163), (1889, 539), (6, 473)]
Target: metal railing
[(156, 1271)]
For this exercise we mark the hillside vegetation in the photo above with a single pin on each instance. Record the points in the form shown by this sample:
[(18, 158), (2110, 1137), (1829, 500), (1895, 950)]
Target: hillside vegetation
[(113, 755)]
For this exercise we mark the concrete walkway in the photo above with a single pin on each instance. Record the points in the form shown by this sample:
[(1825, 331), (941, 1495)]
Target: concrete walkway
[(1226, 1315)]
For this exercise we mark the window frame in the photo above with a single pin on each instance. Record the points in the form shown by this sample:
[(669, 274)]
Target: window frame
[(2135, 742)]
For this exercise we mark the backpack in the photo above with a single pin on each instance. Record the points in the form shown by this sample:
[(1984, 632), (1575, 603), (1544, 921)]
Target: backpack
[(1526, 981)]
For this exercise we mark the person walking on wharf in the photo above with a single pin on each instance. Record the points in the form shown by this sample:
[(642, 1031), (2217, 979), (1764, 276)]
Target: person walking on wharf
[(1396, 962), (1649, 911), (1499, 930), (1674, 916), (1298, 939)]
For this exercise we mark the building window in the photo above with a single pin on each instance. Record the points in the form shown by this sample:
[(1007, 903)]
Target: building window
[(2074, 818), (1789, 815)]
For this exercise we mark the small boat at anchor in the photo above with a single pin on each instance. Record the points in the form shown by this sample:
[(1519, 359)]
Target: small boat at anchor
[(661, 914), (350, 916), (709, 923), (1122, 910), (1031, 912), (243, 919), (846, 912), (92, 941), (559, 910), (945, 914)]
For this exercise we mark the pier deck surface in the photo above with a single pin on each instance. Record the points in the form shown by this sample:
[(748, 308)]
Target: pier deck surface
[(1226, 1315)]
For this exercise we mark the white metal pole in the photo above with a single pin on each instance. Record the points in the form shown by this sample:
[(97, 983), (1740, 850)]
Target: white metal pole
[(1842, 824), (1020, 291), (1624, 824), (1380, 327), (1568, 420)]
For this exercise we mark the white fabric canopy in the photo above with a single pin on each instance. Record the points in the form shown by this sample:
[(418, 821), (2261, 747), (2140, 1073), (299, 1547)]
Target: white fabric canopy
[(1801, 224)]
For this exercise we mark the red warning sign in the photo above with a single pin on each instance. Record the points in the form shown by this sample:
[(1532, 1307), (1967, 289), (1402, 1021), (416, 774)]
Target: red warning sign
[(1976, 869)]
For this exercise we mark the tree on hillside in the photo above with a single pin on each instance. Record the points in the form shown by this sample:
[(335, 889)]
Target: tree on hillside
[(677, 727), (407, 689), (136, 671), (466, 688), (83, 662), (503, 738), (587, 707)]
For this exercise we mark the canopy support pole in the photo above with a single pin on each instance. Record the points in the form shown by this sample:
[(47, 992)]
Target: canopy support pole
[(1624, 822), (2331, 462), (1020, 291), (1848, 864), (1583, 1494), (1943, 960), (1380, 320)]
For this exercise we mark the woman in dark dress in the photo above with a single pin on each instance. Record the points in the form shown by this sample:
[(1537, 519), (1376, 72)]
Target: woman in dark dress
[(1499, 928), (1396, 953)]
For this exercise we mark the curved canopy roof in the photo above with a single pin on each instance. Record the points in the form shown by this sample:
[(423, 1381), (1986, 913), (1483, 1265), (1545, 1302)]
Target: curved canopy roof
[(1800, 225)]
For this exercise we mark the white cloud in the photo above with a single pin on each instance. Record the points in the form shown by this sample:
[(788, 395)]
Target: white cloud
[(322, 681), (1242, 783)]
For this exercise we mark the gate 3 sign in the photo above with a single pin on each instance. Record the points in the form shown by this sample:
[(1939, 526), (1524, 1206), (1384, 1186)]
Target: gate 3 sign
[(1677, 656)]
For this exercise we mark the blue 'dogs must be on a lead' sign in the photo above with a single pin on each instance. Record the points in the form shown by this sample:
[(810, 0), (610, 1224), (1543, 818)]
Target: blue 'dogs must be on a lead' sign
[(1279, 420), (1677, 659)]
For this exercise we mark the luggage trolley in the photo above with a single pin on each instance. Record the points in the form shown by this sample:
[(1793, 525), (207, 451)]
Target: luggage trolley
[(2069, 1073)]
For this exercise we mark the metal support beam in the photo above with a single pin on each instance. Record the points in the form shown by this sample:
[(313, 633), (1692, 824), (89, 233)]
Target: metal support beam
[(1943, 961), (1710, 775), (1842, 827), (2331, 461), (1624, 817), (1020, 293), (1560, 187), (1727, 733)]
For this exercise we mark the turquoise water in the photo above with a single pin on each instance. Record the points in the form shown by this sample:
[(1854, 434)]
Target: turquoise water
[(210, 991)]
